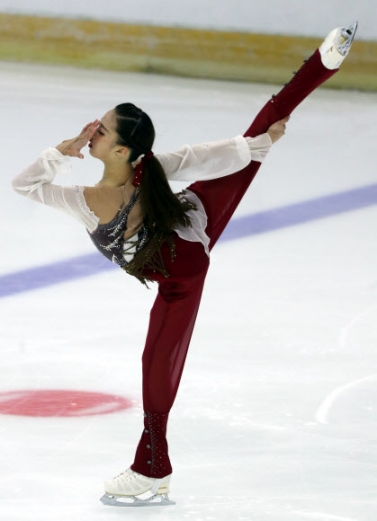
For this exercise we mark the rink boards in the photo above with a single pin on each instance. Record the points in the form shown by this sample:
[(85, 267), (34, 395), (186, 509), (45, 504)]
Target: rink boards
[(180, 51)]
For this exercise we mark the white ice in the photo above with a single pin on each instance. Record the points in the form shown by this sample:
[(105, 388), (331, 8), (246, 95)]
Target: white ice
[(276, 416)]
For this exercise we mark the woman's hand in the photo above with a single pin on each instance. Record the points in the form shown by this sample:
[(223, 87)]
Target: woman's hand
[(277, 130), (72, 147)]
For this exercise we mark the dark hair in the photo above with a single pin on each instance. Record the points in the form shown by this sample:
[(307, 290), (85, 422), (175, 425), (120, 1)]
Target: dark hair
[(161, 208)]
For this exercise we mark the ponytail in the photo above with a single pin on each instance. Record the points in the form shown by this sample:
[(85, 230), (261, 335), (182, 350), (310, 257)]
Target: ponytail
[(162, 209)]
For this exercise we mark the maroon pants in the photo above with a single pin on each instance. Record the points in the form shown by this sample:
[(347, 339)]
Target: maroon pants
[(174, 312)]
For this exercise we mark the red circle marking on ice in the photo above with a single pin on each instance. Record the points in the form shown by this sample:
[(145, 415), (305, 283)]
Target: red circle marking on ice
[(44, 403)]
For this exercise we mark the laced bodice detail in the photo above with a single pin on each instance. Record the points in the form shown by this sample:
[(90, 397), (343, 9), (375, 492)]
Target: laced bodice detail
[(109, 237)]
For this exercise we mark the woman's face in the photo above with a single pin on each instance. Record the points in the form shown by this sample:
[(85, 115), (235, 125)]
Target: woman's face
[(103, 144)]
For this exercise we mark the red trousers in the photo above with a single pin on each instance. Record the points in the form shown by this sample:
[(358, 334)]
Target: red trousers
[(174, 312)]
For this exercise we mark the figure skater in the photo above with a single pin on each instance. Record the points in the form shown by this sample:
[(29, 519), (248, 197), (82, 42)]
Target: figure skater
[(136, 221)]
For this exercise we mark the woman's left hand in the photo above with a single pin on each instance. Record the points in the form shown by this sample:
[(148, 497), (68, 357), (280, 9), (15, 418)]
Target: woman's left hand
[(277, 130), (72, 147)]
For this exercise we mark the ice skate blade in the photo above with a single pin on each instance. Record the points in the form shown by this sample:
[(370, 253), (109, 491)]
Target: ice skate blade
[(158, 500), (347, 35)]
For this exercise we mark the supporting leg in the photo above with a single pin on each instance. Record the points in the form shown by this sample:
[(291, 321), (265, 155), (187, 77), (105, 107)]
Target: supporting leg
[(171, 324)]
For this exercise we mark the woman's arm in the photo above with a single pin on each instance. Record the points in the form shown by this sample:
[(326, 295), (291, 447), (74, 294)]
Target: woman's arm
[(214, 159), (219, 158), (35, 182)]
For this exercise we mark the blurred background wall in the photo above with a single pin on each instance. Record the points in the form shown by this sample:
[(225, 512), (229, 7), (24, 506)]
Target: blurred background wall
[(227, 39), (290, 17)]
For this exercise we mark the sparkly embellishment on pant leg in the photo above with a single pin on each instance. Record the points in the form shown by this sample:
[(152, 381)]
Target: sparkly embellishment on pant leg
[(152, 459)]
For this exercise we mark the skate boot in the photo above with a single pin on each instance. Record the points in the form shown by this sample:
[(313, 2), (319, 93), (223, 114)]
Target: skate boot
[(336, 46), (133, 489), (146, 483)]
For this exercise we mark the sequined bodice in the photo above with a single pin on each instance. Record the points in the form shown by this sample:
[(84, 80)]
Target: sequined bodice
[(109, 238)]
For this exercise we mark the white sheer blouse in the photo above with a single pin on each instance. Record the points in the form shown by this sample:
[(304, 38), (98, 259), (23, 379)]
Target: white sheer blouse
[(191, 163)]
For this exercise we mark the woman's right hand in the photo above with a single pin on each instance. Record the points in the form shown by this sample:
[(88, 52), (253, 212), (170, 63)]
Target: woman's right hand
[(72, 147), (277, 130)]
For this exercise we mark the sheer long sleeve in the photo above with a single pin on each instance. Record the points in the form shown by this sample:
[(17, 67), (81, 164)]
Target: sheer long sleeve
[(190, 163), (35, 182), (214, 159)]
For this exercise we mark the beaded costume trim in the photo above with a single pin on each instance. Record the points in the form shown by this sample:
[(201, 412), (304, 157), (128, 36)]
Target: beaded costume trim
[(109, 237)]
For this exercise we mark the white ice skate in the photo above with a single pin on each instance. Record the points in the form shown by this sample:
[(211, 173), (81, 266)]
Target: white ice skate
[(131, 489), (336, 46)]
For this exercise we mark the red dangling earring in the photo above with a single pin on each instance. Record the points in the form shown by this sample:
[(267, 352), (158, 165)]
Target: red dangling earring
[(140, 169)]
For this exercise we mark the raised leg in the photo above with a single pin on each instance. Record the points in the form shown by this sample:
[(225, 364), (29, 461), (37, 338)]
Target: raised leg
[(221, 196)]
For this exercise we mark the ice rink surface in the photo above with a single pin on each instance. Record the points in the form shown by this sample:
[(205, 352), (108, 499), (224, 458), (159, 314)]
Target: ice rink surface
[(276, 416)]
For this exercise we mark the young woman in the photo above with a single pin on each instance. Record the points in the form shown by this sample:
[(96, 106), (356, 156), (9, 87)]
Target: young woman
[(135, 220)]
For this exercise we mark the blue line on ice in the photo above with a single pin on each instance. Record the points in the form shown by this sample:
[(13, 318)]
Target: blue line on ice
[(300, 213), (262, 222)]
